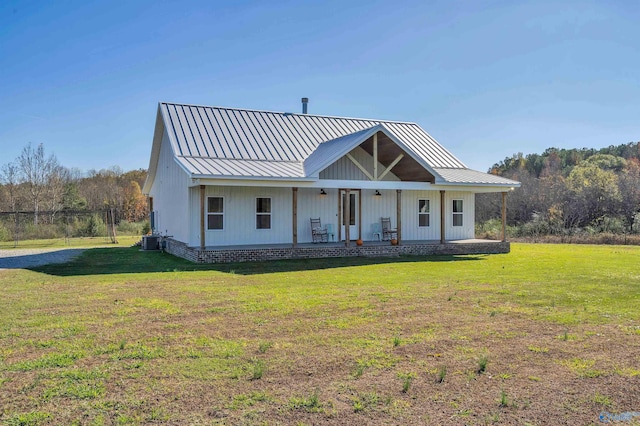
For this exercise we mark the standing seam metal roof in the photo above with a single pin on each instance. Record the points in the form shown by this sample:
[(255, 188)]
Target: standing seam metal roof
[(227, 133), (240, 143)]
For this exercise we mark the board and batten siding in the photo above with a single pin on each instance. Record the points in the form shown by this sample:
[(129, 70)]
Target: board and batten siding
[(344, 169), (239, 222), (375, 207), (313, 205), (170, 194), (467, 230), (410, 225), (240, 214)]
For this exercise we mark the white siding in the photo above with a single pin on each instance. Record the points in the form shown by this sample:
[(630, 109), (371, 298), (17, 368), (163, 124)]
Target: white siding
[(313, 205), (410, 228), (240, 216), (344, 169), (170, 194), (374, 207), (467, 230)]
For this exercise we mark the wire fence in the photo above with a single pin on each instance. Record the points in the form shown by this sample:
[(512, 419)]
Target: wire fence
[(21, 226)]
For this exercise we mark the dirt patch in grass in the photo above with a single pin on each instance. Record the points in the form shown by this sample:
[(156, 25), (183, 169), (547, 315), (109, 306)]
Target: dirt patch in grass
[(343, 345)]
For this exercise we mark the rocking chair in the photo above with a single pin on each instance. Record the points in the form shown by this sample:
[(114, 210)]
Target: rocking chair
[(319, 234), (387, 232)]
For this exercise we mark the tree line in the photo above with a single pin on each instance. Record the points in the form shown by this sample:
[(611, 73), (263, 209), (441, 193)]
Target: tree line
[(37, 183), (568, 191)]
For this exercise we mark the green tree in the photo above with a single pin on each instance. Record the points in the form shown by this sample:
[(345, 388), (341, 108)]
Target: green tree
[(629, 186), (594, 193)]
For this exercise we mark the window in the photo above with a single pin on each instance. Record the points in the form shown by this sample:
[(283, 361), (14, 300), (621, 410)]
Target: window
[(457, 212), (423, 212), (215, 213), (263, 213)]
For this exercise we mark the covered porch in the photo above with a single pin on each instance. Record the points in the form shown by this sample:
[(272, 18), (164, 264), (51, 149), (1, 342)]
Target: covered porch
[(264, 252), (349, 214)]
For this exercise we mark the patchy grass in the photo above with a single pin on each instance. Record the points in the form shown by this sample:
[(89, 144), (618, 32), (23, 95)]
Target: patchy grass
[(120, 336), (84, 242)]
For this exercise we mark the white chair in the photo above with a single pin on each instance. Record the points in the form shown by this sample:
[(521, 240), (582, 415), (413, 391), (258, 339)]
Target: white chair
[(330, 233), (376, 231)]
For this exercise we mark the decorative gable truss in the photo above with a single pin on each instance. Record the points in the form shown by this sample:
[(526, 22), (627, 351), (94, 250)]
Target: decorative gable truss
[(376, 152)]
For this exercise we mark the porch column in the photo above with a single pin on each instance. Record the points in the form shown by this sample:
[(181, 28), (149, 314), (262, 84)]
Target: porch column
[(360, 214), (442, 239), (399, 214), (504, 216), (202, 206), (294, 215), (347, 216)]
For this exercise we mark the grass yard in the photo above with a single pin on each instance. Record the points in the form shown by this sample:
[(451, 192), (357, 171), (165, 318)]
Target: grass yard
[(548, 334), (79, 242)]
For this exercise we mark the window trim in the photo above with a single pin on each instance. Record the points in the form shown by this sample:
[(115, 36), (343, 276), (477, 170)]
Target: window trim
[(270, 213), (427, 213), (454, 213), (208, 213)]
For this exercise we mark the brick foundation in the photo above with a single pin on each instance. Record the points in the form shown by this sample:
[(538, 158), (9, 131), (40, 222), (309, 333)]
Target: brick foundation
[(195, 254)]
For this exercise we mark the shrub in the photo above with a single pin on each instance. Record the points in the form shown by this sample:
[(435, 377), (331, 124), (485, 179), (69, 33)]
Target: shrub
[(5, 234), (131, 228), (95, 226)]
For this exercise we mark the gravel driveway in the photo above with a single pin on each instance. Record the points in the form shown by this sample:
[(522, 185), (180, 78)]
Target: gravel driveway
[(27, 258)]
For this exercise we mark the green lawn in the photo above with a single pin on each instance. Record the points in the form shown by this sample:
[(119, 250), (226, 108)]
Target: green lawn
[(86, 242), (546, 334)]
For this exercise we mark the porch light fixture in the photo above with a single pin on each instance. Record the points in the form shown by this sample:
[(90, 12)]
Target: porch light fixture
[(322, 193), (378, 194)]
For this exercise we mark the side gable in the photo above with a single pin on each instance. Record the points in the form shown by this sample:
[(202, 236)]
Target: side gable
[(158, 137), (155, 153), (228, 143)]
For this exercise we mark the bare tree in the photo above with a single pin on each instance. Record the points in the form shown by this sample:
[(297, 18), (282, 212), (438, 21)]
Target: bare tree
[(37, 171), (55, 188), (10, 177)]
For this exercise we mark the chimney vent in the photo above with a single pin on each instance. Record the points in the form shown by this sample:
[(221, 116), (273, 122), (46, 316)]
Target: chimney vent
[(305, 101)]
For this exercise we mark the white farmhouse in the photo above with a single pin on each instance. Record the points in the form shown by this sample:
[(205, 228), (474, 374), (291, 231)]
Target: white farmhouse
[(232, 184)]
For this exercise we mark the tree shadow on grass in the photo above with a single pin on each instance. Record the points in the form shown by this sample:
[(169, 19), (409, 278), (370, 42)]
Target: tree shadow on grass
[(100, 261)]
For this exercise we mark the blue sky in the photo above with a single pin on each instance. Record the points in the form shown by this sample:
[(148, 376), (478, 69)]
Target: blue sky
[(485, 78)]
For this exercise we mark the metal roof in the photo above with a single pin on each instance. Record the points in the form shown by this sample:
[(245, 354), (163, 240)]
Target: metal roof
[(199, 166), (213, 132), (239, 143), (468, 176), (330, 151)]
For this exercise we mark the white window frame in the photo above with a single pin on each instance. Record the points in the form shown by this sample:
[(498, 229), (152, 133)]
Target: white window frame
[(455, 213), (426, 213), (269, 213), (215, 213)]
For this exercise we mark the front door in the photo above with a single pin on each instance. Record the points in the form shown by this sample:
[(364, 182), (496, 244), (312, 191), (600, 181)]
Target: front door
[(351, 215)]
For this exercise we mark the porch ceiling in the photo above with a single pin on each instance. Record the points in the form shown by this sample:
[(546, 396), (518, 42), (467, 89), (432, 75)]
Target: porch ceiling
[(408, 169)]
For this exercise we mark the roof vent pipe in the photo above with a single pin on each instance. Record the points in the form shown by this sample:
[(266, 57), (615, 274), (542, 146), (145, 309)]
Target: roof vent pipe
[(305, 101)]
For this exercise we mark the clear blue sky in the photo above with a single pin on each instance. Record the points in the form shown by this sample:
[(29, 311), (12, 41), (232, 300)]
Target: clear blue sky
[(486, 78)]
